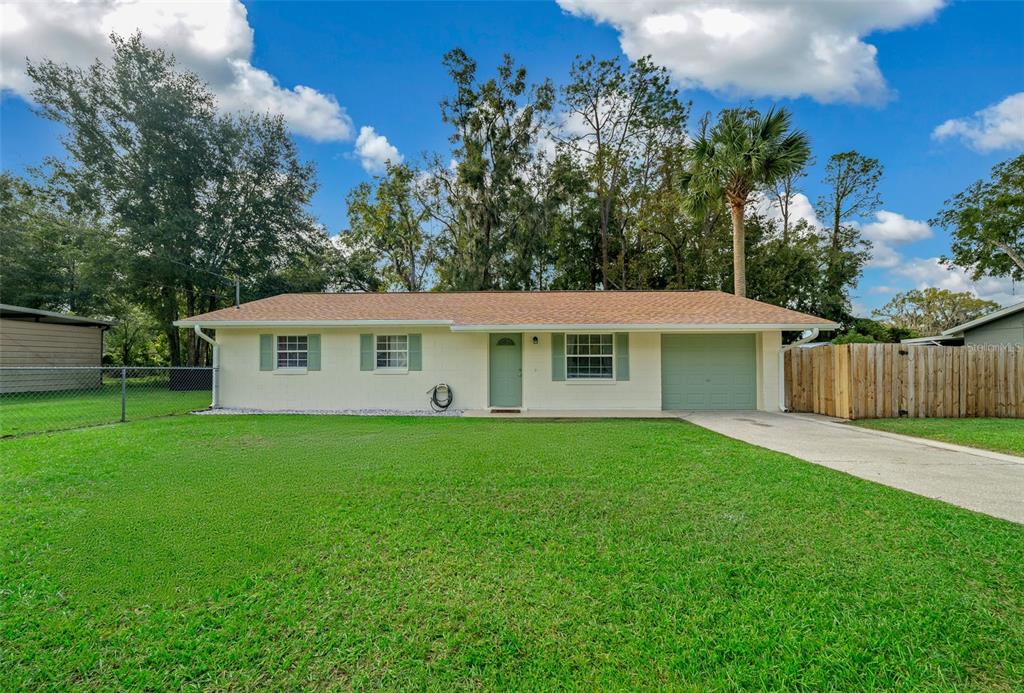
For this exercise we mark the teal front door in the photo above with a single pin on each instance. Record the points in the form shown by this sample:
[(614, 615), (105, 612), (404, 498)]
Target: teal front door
[(506, 368)]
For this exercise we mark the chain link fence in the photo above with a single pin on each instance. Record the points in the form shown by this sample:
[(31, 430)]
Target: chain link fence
[(37, 400)]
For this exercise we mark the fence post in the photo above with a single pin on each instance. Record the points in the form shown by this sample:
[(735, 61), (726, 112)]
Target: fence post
[(124, 392)]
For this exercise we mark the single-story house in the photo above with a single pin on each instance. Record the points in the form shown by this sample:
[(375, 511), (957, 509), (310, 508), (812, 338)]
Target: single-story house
[(41, 339), (544, 350), (1004, 326)]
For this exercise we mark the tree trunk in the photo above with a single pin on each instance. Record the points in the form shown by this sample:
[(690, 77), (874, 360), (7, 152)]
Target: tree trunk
[(739, 260), (604, 248), (172, 332), (1012, 254), (191, 340)]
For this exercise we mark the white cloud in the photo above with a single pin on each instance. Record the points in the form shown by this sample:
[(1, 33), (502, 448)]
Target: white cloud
[(929, 272), (896, 228), (784, 48), (375, 151), (800, 207), (890, 229), (1000, 126), (884, 255), (213, 38)]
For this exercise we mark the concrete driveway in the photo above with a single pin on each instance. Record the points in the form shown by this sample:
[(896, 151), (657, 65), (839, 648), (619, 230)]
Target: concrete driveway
[(988, 482)]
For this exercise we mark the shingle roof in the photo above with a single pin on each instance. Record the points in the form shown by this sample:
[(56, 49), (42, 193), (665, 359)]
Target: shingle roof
[(514, 308)]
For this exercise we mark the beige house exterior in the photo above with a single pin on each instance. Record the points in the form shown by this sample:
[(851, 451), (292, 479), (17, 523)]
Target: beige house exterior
[(31, 338), (501, 351)]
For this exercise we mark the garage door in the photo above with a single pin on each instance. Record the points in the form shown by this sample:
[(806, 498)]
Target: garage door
[(713, 371)]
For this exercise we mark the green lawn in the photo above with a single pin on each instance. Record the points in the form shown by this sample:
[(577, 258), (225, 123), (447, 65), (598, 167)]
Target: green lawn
[(1001, 435), (33, 412), (288, 552)]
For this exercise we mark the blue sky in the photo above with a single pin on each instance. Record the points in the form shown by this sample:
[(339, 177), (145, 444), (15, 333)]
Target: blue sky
[(379, 66)]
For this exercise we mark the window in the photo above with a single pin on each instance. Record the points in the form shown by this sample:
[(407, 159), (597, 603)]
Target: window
[(589, 356), (292, 351), (392, 351)]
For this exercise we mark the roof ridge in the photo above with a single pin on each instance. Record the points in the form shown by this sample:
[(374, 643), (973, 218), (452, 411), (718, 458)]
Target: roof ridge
[(503, 291)]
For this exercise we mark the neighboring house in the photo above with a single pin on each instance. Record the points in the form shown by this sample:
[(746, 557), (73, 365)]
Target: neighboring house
[(1004, 326), (42, 339), (572, 350)]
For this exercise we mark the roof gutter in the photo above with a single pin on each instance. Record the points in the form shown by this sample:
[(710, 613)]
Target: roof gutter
[(643, 327), (525, 327), (214, 324), (811, 336)]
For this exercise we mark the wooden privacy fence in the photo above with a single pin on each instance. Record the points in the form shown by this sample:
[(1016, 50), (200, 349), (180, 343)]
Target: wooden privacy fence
[(873, 381)]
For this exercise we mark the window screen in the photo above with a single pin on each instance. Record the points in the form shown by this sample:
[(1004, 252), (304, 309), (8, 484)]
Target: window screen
[(588, 356), (292, 351), (392, 351)]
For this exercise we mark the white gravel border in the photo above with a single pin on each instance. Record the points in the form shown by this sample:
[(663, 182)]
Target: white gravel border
[(229, 411)]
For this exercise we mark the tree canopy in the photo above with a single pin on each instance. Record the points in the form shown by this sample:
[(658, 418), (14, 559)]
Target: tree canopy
[(987, 223), (161, 200), (931, 311), (191, 196), (743, 152)]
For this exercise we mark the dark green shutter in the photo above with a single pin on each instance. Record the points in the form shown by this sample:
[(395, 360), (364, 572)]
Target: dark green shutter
[(415, 352), (266, 352), (622, 355), (313, 352), (558, 356), (366, 352)]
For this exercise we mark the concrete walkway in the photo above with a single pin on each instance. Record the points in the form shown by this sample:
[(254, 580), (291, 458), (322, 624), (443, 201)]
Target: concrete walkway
[(988, 482)]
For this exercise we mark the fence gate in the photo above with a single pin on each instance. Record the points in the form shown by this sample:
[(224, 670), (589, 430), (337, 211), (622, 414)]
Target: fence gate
[(871, 381)]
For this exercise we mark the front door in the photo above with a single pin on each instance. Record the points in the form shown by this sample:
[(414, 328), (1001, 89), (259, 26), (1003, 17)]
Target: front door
[(506, 368)]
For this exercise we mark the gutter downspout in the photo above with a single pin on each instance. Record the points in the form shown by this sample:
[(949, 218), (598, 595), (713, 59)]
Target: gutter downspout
[(215, 402), (782, 364)]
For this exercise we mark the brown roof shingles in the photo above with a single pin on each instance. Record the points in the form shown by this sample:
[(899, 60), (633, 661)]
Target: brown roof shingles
[(498, 308)]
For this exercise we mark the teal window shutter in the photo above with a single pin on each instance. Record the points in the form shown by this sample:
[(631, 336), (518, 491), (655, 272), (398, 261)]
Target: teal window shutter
[(266, 352), (558, 356), (313, 352), (622, 355), (415, 352), (366, 352)]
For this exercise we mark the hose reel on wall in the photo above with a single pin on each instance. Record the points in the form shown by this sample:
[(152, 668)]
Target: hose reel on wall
[(441, 397)]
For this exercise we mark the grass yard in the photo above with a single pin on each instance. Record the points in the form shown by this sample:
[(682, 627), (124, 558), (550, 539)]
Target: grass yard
[(34, 412), (287, 552), (1001, 435)]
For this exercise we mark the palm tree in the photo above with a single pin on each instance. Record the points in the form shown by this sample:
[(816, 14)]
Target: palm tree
[(743, 152)]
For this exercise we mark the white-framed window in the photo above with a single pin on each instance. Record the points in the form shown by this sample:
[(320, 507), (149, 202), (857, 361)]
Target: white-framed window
[(392, 351), (292, 351), (589, 356)]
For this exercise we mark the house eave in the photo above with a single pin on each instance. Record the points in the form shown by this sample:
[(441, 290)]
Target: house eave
[(531, 327), (214, 324)]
